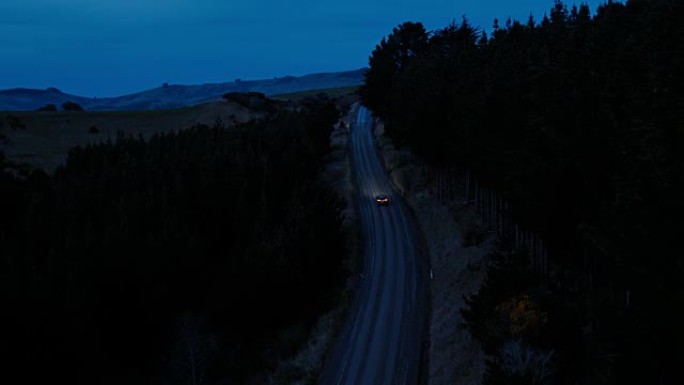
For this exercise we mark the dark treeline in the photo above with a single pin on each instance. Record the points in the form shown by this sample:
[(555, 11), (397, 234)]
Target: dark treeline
[(201, 256), (577, 120)]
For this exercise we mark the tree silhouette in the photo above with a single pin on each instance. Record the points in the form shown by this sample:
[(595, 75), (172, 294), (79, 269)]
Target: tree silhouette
[(48, 107), (406, 42), (71, 106), (165, 245), (574, 121)]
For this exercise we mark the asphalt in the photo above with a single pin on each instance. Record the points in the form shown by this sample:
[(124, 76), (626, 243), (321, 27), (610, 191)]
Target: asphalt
[(380, 342)]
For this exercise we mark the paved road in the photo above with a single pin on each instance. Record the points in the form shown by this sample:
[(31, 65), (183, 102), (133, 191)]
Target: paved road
[(380, 343)]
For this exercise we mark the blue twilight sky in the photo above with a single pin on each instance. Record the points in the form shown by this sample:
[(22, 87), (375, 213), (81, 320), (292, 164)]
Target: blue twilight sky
[(114, 47)]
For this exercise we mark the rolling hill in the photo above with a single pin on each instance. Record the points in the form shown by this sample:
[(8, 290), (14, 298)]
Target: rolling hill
[(175, 96)]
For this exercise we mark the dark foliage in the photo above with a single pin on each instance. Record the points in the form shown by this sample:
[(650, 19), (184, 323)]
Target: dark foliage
[(48, 107), (71, 106), (198, 256), (252, 100), (515, 316), (577, 121), (14, 123)]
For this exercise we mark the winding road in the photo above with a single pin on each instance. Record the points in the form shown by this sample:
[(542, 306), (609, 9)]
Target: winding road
[(381, 340)]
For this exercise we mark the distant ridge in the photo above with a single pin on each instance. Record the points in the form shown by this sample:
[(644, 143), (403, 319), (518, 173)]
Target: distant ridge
[(174, 96)]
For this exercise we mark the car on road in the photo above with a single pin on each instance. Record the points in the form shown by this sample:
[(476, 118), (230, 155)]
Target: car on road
[(382, 200)]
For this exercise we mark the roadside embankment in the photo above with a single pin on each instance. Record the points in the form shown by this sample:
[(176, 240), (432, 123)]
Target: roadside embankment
[(457, 266)]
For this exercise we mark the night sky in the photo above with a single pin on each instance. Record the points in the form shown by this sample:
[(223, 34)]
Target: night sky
[(114, 47)]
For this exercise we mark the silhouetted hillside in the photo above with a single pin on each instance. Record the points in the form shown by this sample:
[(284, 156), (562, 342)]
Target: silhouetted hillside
[(174, 95)]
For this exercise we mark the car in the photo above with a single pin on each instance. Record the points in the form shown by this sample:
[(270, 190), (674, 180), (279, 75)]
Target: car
[(382, 200)]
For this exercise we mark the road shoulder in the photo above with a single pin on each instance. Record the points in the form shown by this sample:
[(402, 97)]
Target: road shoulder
[(455, 269), (307, 365)]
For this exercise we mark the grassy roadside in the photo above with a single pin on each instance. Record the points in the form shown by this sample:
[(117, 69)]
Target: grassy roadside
[(306, 366), (456, 269)]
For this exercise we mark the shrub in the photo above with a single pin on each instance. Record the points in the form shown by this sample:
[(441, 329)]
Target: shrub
[(71, 106), (256, 101), (14, 123), (48, 107)]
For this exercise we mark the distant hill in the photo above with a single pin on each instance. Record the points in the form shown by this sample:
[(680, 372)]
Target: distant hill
[(174, 96)]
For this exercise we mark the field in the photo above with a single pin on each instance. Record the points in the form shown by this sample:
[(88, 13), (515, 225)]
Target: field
[(42, 139), (331, 92)]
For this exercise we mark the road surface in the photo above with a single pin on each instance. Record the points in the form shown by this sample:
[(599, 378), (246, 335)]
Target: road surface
[(380, 342)]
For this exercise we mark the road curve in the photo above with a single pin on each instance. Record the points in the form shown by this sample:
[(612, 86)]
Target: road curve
[(380, 342)]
